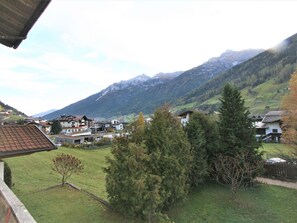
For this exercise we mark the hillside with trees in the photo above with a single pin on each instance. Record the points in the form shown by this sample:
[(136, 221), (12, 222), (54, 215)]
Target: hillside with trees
[(10, 114), (263, 80)]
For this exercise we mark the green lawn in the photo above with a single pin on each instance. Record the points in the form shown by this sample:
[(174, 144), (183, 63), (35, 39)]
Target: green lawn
[(32, 176), (212, 203), (33, 172), (276, 150)]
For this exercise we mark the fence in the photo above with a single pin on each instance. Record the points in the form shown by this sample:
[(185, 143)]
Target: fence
[(281, 171)]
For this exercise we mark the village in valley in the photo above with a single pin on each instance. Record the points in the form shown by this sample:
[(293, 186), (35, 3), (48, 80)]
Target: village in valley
[(80, 129)]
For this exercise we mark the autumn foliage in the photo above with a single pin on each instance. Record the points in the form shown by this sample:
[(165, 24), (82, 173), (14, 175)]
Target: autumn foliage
[(66, 165), (289, 104)]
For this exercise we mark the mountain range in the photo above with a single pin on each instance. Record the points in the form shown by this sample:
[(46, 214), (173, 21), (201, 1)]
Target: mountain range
[(144, 93)]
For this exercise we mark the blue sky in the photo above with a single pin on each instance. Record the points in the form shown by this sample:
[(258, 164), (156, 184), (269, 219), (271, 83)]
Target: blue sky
[(77, 48)]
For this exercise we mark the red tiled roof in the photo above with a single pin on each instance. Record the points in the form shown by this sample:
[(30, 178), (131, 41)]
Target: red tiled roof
[(23, 139)]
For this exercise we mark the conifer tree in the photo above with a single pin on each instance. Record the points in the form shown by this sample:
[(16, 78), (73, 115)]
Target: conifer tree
[(145, 177), (198, 141), (170, 156), (131, 189), (236, 131), (56, 127)]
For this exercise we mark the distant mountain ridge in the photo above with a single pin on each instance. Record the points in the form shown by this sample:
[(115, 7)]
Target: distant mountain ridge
[(114, 97), (145, 94), (44, 113)]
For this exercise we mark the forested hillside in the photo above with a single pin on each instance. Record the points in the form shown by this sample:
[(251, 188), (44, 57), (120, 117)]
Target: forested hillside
[(262, 80)]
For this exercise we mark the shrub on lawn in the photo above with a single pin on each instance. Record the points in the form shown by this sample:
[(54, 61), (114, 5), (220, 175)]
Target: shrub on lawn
[(66, 165), (7, 175)]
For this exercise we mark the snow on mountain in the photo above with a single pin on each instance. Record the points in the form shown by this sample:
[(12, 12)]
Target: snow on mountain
[(141, 80)]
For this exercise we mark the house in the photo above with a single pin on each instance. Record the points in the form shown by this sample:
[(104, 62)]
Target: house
[(74, 123), (98, 127), (185, 117), (42, 124), (61, 139), (108, 126), (269, 128)]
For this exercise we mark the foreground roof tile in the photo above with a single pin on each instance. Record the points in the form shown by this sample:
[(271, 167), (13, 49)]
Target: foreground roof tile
[(18, 140)]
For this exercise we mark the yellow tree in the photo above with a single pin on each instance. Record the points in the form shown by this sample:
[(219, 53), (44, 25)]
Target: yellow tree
[(289, 104), (138, 129)]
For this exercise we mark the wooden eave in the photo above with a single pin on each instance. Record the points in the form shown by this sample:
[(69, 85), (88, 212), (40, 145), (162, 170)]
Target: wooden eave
[(17, 17)]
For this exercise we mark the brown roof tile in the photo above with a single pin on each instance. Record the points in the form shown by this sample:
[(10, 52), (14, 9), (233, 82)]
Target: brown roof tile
[(23, 139)]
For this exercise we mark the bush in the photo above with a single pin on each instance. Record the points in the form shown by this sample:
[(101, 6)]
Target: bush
[(7, 175), (66, 165)]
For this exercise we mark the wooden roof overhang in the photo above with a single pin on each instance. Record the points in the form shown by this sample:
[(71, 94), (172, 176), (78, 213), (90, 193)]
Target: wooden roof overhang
[(17, 17)]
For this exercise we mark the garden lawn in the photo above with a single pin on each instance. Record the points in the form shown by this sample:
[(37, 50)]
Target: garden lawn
[(212, 203), (64, 204), (33, 172), (276, 150), (33, 179)]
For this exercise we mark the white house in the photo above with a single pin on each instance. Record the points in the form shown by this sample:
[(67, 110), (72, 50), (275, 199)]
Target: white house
[(74, 124), (185, 117), (118, 126), (269, 129)]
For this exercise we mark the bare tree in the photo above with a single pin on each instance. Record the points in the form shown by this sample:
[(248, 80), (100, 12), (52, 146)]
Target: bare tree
[(66, 165), (235, 171)]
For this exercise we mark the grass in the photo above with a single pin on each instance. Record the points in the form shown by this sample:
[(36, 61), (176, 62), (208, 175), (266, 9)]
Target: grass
[(33, 172), (33, 177), (264, 97), (267, 96), (276, 150), (212, 203)]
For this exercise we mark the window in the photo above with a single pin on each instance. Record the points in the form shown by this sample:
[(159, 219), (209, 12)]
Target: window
[(274, 130)]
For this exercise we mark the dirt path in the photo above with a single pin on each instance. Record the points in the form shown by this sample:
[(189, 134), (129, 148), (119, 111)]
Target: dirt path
[(277, 182)]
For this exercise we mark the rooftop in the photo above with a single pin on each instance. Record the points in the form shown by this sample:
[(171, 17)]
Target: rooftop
[(23, 139), (273, 116)]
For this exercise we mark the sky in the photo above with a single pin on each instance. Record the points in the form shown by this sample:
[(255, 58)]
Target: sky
[(79, 47)]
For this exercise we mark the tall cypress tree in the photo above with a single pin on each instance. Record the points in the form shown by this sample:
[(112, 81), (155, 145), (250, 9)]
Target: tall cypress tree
[(237, 137), (170, 156), (236, 130), (145, 177), (197, 138), (131, 189)]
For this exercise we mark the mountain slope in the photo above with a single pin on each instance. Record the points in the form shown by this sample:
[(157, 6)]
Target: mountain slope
[(145, 94), (10, 114), (4, 106), (262, 80), (114, 99), (43, 113), (190, 80)]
